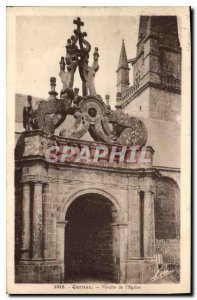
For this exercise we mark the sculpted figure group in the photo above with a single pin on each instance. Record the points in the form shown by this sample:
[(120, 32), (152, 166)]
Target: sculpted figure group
[(89, 110), (78, 57)]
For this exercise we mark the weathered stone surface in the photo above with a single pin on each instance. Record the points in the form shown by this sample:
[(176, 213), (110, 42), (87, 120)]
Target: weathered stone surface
[(170, 250), (62, 185), (90, 111), (167, 207), (121, 241), (36, 144), (140, 271), (156, 88), (26, 222), (37, 222)]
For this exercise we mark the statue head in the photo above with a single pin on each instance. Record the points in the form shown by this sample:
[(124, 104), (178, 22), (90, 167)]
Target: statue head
[(52, 81), (76, 91), (68, 46), (29, 99), (62, 64)]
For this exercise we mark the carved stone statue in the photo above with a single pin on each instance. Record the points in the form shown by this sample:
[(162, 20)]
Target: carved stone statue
[(89, 111), (29, 116), (88, 85), (67, 77), (77, 56)]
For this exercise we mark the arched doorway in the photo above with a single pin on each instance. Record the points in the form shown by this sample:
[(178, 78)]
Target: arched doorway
[(91, 240)]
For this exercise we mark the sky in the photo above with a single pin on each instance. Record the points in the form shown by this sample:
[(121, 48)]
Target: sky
[(41, 40)]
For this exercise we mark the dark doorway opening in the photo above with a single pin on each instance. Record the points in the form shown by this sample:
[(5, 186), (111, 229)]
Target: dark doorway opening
[(89, 240)]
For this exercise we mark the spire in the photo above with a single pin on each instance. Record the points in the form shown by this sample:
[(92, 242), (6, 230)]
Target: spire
[(123, 57), (122, 72)]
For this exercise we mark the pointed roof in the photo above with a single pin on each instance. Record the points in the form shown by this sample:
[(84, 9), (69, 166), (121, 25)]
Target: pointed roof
[(123, 57)]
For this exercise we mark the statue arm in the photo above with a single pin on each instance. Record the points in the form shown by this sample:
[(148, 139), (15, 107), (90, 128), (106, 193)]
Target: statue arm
[(95, 64), (24, 118), (64, 78), (71, 67)]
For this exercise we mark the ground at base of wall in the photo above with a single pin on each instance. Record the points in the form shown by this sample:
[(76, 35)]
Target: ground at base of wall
[(39, 272), (51, 272)]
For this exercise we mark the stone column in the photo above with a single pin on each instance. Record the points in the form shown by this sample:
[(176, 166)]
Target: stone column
[(119, 233), (26, 218), (123, 232), (149, 234), (45, 216), (116, 252), (61, 246), (119, 250), (134, 224), (37, 222), (60, 240)]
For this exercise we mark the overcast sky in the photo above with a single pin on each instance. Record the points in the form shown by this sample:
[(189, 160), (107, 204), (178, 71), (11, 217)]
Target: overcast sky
[(41, 40)]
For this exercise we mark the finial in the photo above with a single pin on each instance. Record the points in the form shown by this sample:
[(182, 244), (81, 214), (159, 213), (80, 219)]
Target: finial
[(68, 46), (52, 92), (29, 99), (96, 54), (79, 23), (107, 97), (52, 81), (62, 64)]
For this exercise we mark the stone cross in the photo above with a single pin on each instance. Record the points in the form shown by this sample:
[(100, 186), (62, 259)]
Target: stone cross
[(79, 23)]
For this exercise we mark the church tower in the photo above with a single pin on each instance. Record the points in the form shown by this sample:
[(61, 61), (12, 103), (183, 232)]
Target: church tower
[(122, 72), (156, 88)]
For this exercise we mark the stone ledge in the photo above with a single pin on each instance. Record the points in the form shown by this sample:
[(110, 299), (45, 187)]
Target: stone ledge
[(37, 145)]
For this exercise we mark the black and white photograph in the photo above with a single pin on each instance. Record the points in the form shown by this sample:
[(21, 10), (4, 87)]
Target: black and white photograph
[(99, 111)]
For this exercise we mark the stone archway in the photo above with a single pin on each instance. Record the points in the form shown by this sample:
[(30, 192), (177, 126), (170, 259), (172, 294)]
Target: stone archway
[(91, 242)]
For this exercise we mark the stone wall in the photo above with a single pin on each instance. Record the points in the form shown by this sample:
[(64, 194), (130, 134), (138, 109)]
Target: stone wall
[(50, 190), (38, 272), (165, 105), (139, 106), (170, 250), (18, 214), (64, 186), (155, 103), (167, 209), (171, 63)]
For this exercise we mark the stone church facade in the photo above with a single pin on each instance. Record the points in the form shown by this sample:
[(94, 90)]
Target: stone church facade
[(108, 221)]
